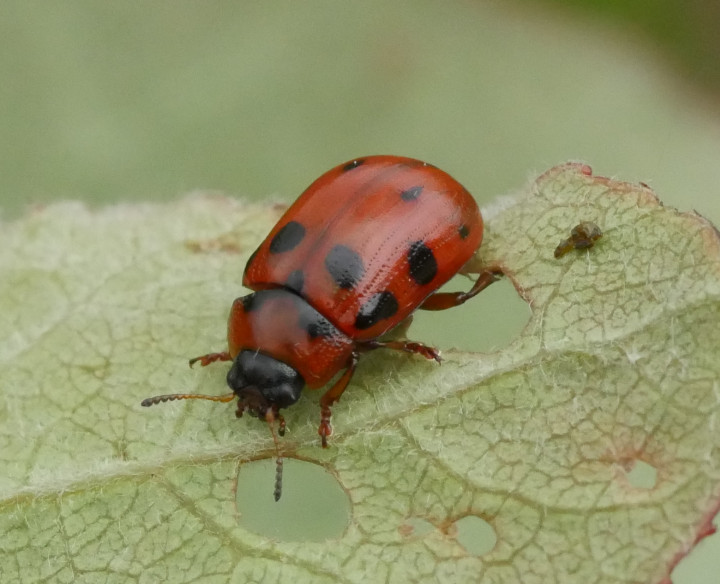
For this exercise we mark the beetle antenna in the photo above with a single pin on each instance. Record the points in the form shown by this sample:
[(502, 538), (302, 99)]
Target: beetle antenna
[(278, 478), (151, 401), (270, 418)]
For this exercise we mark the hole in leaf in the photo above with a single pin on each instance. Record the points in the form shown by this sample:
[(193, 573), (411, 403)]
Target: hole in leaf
[(313, 506), (642, 475), (416, 527), (699, 567), (485, 323), (476, 535)]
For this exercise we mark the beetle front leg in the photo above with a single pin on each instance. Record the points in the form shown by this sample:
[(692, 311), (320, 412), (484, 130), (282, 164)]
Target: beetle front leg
[(332, 395), (444, 300), (211, 358)]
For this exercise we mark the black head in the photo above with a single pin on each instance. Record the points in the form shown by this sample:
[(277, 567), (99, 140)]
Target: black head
[(263, 383)]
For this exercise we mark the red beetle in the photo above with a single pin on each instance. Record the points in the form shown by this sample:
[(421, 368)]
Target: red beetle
[(366, 244)]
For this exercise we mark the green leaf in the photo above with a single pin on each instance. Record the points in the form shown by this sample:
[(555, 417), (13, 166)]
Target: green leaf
[(617, 366)]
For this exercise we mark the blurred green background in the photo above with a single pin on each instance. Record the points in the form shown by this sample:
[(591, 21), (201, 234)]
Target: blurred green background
[(135, 101), (109, 102)]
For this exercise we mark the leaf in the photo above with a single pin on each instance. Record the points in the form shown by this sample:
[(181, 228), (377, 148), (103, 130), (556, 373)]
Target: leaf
[(618, 364)]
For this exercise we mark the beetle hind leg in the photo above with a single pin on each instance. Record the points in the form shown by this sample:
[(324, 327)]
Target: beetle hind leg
[(444, 300)]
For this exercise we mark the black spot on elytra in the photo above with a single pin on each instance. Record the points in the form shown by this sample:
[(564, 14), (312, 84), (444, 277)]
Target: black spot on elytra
[(422, 263), (287, 238), (411, 194), (378, 307), (314, 323), (320, 328), (345, 266), (464, 231), (296, 281), (353, 164)]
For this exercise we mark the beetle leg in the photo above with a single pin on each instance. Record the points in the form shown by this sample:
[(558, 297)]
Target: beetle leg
[(332, 395), (406, 346), (211, 358), (443, 300)]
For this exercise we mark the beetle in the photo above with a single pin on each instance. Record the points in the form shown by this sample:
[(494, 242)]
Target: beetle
[(364, 246)]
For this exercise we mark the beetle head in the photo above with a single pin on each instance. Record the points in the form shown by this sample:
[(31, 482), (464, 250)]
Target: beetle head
[(263, 383)]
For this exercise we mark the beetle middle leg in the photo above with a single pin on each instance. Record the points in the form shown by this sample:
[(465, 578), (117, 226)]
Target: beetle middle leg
[(444, 300), (332, 395), (405, 346)]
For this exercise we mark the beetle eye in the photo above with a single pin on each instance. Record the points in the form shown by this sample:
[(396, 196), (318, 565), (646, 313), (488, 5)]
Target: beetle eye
[(236, 379)]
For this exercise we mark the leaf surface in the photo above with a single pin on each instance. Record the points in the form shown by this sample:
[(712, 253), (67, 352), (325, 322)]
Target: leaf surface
[(618, 364)]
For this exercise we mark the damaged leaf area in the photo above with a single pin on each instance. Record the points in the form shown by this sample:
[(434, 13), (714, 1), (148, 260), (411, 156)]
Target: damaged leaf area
[(617, 370)]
